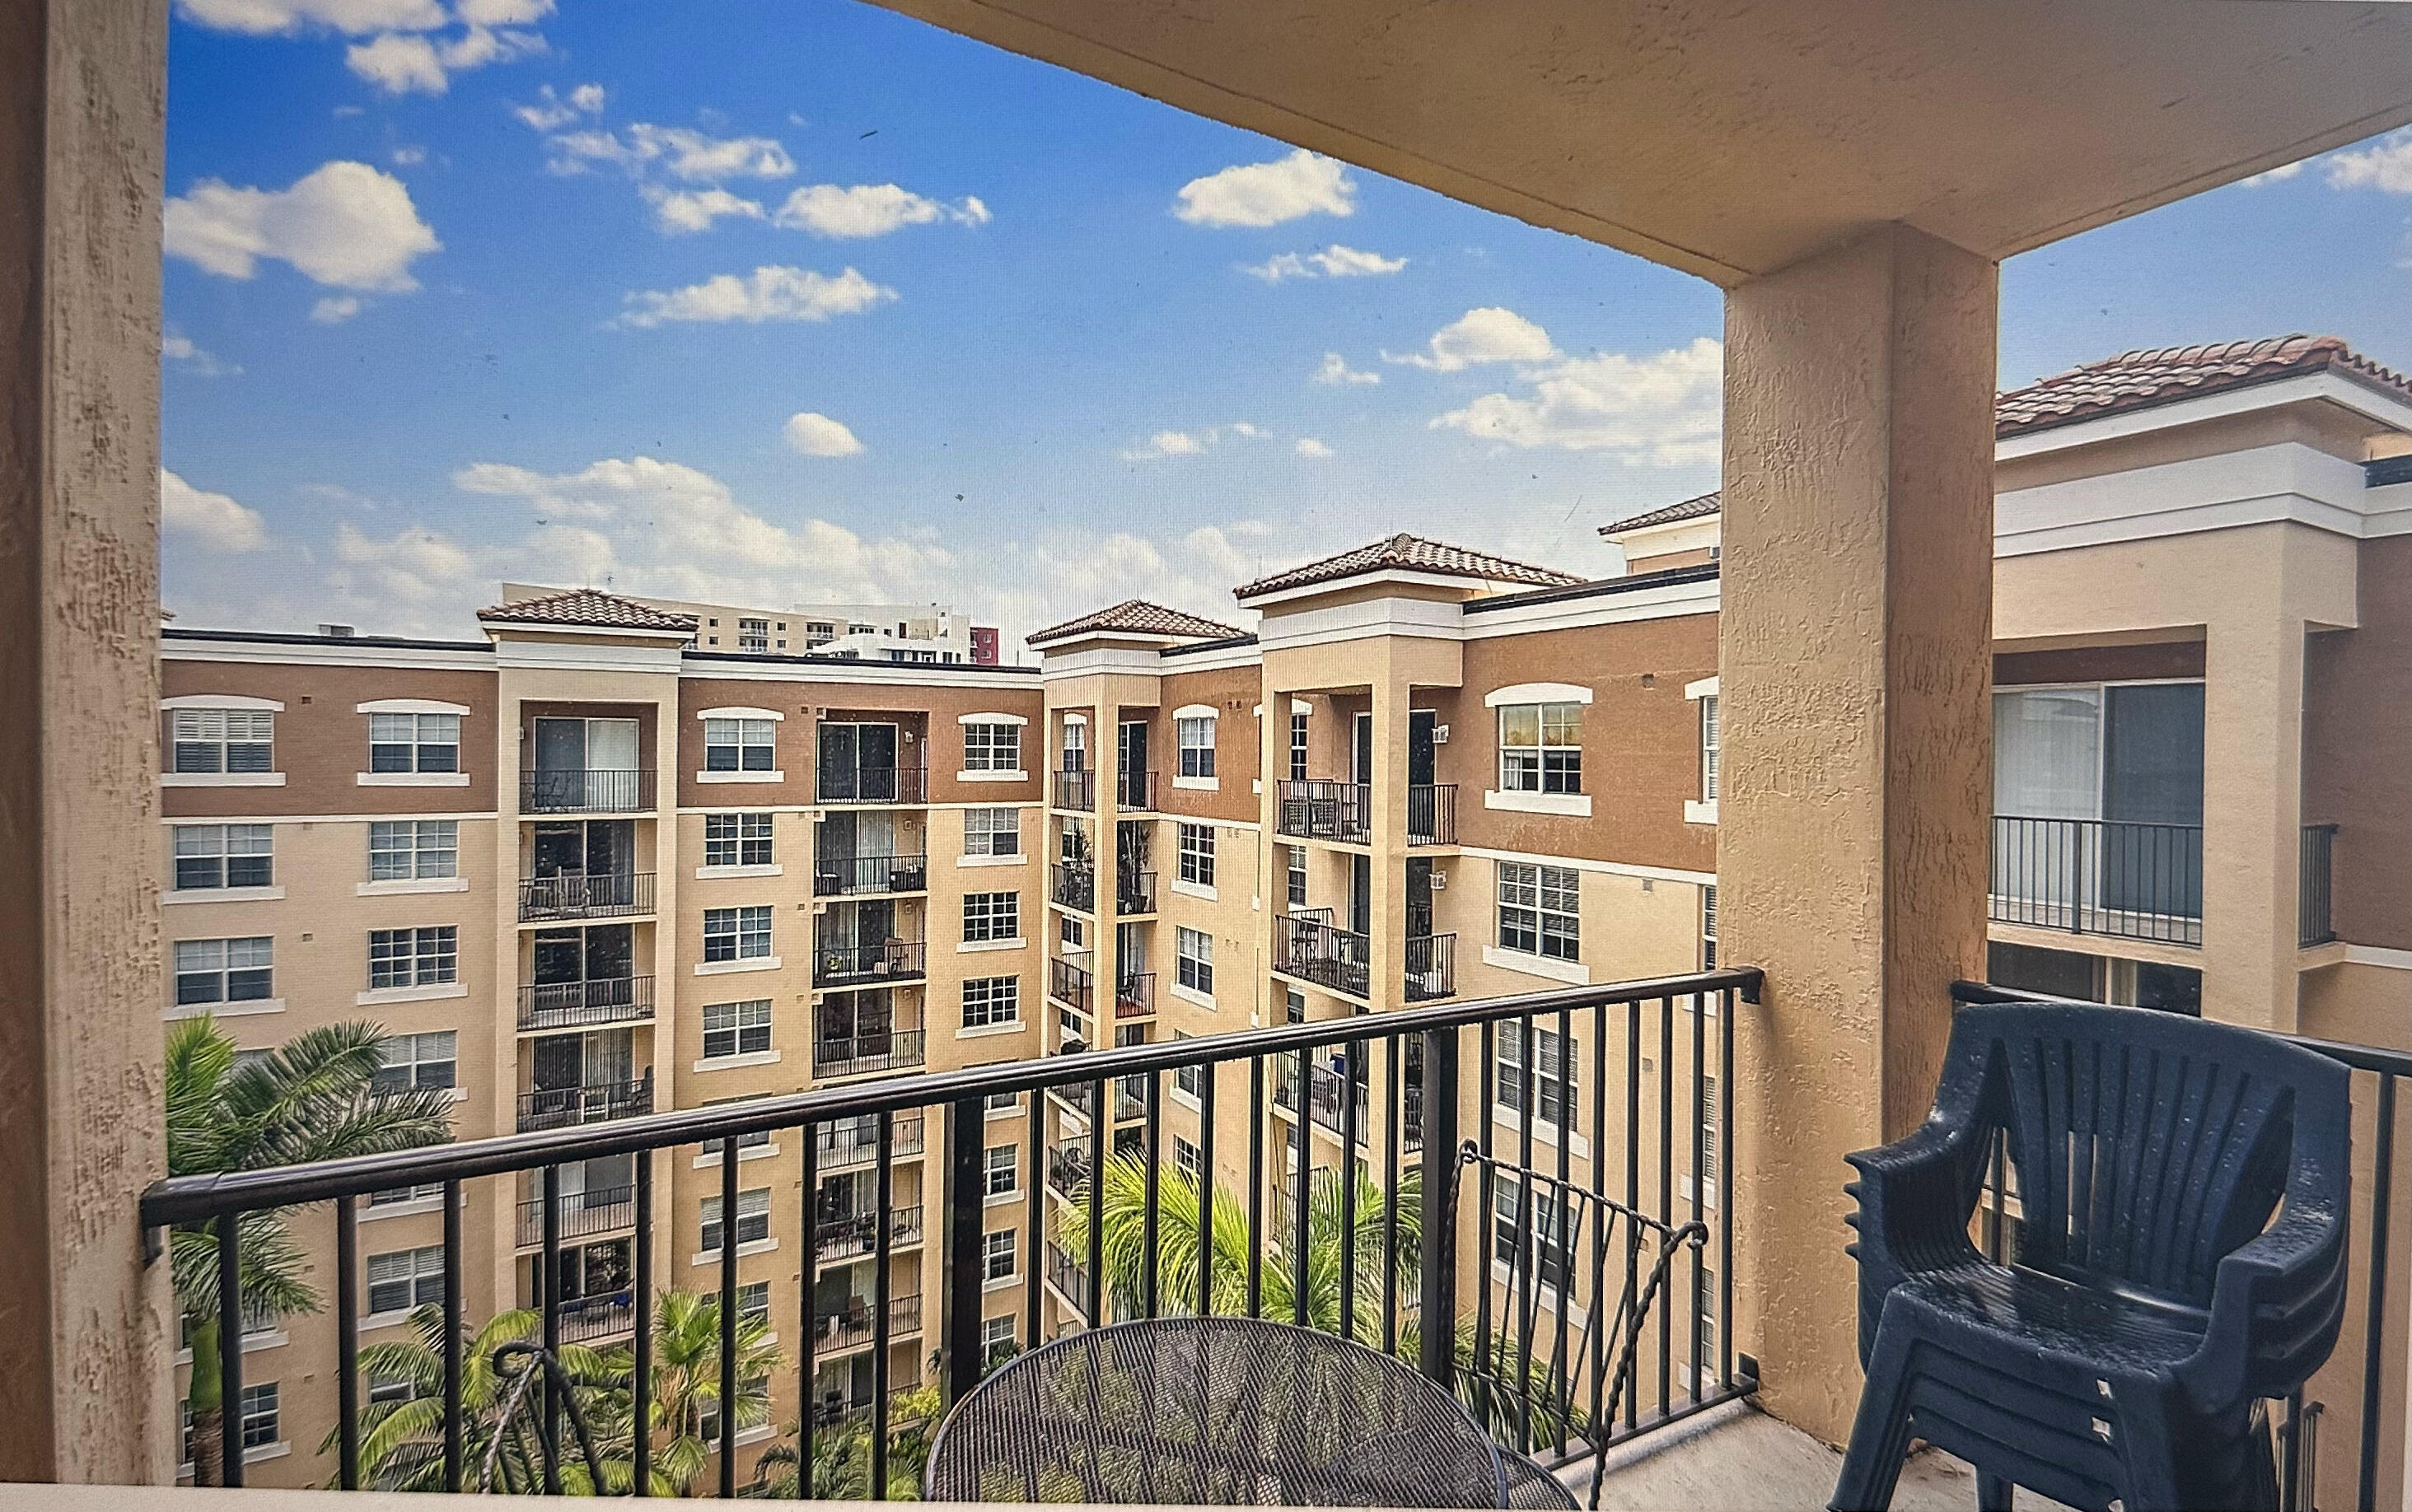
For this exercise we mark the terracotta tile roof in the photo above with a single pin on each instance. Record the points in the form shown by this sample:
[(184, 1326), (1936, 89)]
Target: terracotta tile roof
[(1136, 616), (588, 608), (2134, 380), (1697, 508), (1412, 553)]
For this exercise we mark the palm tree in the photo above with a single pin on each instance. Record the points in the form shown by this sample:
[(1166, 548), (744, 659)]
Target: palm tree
[(841, 1454), (313, 1099), (685, 1392), (402, 1442)]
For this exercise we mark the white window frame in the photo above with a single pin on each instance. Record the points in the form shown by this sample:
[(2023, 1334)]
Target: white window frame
[(1195, 860), (1001, 1171), (1188, 1159), (223, 844), (417, 1061), (983, 828), (257, 953), (991, 1253), (425, 955), (1546, 893), (261, 1403), (991, 748), (753, 1215), (746, 840), (422, 742), (733, 1030), (1193, 953), (421, 1278), (428, 861), (231, 741), (742, 934), (1526, 767), (1703, 809), (991, 918), (747, 740), (992, 1002), (1556, 1079), (1195, 728)]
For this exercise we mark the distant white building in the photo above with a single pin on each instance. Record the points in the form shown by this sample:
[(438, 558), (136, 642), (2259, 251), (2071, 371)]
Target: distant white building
[(927, 634)]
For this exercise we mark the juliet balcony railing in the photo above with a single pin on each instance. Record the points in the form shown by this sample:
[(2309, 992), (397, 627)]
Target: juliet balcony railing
[(1431, 813), (1134, 893), (585, 790), (845, 1146), (562, 1108), (1134, 995), (1135, 792), (2111, 877), (893, 1049), (875, 963), (872, 785), (1308, 945), (1432, 967), (2315, 924), (847, 877), (587, 1004), (1077, 790), (858, 1326), (586, 895), (1073, 884), (583, 1215), (1315, 809), (1073, 986)]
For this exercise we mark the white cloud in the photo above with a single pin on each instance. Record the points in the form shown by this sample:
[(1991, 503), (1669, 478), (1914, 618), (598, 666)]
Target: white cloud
[(678, 211), (347, 225), (815, 434), (1309, 446), (335, 309), (1334, 261), (868, 209), (551, 111), (678, 150), (1268, 194), (2275, 175), (354, 16), (771, 293), (502, 13), (407, 63), (1167, 444), (182, 349), (408, 156), (2385, 165), (1335, 369), (214, 520), (1663, 410), (1490, 334), (414, 566)]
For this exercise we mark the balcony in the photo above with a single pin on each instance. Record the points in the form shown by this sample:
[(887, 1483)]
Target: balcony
[(850, 1235), (564, 1108), (873, 784), (858, 1326), (1135, 792), (875, 964), (585, 790), (1077, 791), (1432, 967), (1073, 885), (1314, 809), (845, 1146), (2315, 924), (588, 1003), (2110, 878), (1075, 987), (585, 895), (585, 1319), (848, 876), (1310, 947), (583, 1215), (894, 1049), (1068, 1169), (1431, 813), (1067, 1276), (1134, 893), (1134, 995), (1327, 1095)]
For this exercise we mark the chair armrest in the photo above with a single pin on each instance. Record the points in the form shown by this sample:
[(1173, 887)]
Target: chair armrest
[(2276, 1303), (1918, 1187)]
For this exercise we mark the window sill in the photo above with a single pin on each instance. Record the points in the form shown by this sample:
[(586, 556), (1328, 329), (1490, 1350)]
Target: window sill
[(1696, 812), (1544, 1295), (1197, 784), (375, 1321), (732, 1062), (741, 776), (222, 779), (412, 779), (711, 1157), (1544, 1132), (1002, 1283), (1195, 890), (751, 1246), (410, 994), (223, 895), (1574, 972), (252, 1343), (991, 776), (971, 948), (411, 884), (988, 1031), (1191, 995), (1708, 1193), (250, 1457), (1017, 859), (705, 873), (1573, 805), (724, 968), (223, 1010), (412, 1209)]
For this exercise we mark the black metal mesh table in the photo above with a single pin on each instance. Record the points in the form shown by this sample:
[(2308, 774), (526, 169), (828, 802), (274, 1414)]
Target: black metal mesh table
[(1214, 1411)]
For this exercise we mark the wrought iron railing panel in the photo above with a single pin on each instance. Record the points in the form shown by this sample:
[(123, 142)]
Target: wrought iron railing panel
[(2110, 878)]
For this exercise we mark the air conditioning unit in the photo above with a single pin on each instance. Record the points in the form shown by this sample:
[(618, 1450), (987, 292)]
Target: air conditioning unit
[(1440, 881), (1440, 735)]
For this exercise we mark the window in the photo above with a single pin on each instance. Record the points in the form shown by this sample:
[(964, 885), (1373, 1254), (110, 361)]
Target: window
[(736, 934), (736, 839), (1540, 748), (409, 1061), (1708, 745), (1188, 1159), (259, 1425), (738, 744), (736, 1028), (403, 851), (1552, 1255), (1076, 746), (1074, 932), (225, 856), (1194, 959), (1553, 1074), (1297, 747), (1198, 853), (991, 747), (997, 1339), (1708, 926), (992, 1000), (1709, 1157), (226, 971), (387, 1390), (991, 916), (414, 742), (396, 1195), (754, 1302), (426, 956), (992, 831), (1003, 1169), (1540, 910), (223, 739), (1187, 1079), (1196, 741), (1293, 1005), (1297, 876), (753, 1219), (400, 1280)]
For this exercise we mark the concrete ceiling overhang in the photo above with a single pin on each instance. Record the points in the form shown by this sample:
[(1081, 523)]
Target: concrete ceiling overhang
[(1731, 138)]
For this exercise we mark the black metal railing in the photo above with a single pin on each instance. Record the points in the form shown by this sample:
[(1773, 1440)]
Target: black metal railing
[(594, 1210), (1068, 1169), (1432, 967), (586, 895), (585, 1004), (585, 790), (2113, 877), (873, 784), (1315, 809), (1401, 1283), (1308, 945), (581, 1319), (893, 1049), (562, 1108), (1075, 987), (1326, 1091), (2314, 922), (1431, 813), (1073, 885), (1134, 893), (843, 876), (1077, 790), (845, 1146), (1135, 792), (849, 964), (1134, 994), (859, 1324)]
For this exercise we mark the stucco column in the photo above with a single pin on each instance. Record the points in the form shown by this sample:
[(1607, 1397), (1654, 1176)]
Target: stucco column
[(1386, 917), (85, 1379), (1856, 667)]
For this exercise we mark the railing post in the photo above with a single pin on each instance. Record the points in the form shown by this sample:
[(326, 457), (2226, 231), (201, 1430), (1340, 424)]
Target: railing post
[(966, 1187), (1437, 1311)]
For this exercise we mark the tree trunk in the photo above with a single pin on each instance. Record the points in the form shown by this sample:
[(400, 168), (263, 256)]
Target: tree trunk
[(207, 1405)]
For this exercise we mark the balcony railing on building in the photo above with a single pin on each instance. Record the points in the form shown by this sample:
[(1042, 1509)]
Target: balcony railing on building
[(843, 877), (1315, 809), (1068, 1169), (1075, 987), (1077, 790), (1135, 792), (585, 790), (857, 1325), (586, 895), (597, 1210), (851, 963), (1432, 967), (1327, 1092), (2118, 878), (1309, 945), (584, 1319), (2314, 921), (1134, 994), (1431, 813), (873, 784), (1134, 893), (843, 1146), (850, 1235), (893, 1049), (563, 1108), (586, 1003), (1073, 885), (1067, 1276)]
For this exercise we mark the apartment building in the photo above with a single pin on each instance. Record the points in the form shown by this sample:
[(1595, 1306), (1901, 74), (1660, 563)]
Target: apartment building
[(926, 634)]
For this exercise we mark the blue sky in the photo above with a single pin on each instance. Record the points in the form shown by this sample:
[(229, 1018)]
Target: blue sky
[(790, 300)]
